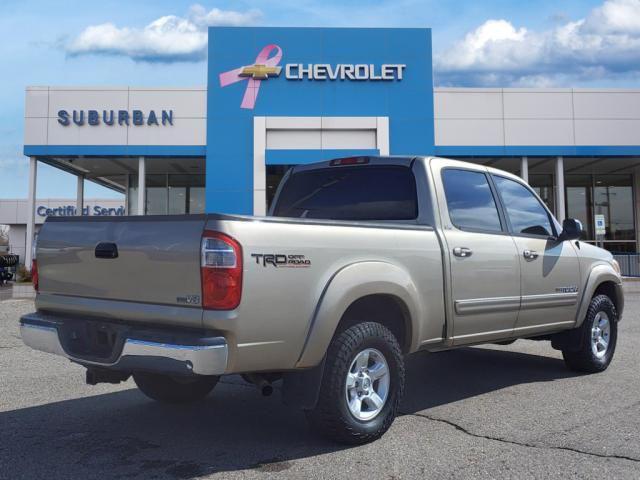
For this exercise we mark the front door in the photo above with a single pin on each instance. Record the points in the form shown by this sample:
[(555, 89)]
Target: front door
[(549, 268), (484, 263)]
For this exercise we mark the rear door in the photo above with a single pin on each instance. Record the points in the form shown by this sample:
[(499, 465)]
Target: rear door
[(484, 263), (549, 268)]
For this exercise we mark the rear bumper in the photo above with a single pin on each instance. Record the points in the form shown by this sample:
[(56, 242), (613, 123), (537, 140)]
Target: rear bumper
[(138, 349)]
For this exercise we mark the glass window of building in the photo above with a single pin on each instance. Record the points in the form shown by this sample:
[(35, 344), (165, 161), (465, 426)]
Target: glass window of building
[(579, 201), (196, 200), (613, 198), (186, 194), (156, 201), (173, 194), (609, 195)]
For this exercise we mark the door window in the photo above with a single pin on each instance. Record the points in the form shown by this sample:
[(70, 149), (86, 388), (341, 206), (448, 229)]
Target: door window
[(470, 201), (526, 213)]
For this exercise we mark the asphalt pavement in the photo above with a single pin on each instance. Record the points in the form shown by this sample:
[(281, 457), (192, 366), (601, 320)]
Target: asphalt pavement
[(5, 292), (483, 412)]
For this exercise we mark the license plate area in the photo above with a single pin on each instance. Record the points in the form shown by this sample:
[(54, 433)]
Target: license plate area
[(92, 340)]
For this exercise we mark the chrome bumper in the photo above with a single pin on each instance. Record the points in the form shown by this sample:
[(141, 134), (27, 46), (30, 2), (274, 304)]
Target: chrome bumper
[(136, 354)]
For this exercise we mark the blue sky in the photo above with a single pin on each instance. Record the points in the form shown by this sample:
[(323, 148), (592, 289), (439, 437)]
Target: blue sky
[(161, 43)]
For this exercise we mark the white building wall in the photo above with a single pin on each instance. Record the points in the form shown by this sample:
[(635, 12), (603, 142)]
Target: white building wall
[(189, 106), (537, 117), (463, 116)]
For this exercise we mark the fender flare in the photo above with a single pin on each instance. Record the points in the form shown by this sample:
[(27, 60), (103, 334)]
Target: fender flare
[(347, 285), (600, 273)]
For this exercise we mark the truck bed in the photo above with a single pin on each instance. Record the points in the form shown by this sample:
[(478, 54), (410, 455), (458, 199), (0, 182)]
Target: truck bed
[(288, 266)]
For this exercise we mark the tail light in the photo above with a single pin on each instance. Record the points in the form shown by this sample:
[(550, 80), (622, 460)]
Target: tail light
[(221, 271), (34, 274), (34, 263)]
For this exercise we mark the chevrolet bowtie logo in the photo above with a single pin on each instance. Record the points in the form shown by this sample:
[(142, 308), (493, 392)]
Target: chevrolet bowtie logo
[(260, 72)]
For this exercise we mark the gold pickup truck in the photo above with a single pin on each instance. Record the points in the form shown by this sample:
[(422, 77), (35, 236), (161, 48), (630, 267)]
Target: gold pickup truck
[(361, 261)]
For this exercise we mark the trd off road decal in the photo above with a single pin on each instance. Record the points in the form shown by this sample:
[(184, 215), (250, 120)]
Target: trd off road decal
[(281, 261)]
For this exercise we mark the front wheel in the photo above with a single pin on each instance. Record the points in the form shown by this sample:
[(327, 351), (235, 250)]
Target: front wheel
[(170, 389), (362, 385), (598, 335)]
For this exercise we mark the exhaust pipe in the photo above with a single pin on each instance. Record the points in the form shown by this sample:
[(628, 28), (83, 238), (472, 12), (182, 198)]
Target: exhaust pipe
[(265, 388), (260, 381)]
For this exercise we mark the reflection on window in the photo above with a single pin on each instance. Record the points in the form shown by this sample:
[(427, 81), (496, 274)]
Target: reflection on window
[(470, 201), (526, 213), (196, 200), (542, 184)]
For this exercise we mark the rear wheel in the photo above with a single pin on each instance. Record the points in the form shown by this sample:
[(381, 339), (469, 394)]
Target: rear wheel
[(362, 385), (169, 389), (598, 336)]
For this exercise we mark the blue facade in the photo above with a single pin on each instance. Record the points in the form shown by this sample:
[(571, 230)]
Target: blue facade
[(407, 102)]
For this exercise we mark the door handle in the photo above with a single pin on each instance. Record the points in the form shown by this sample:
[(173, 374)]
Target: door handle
[(462, 252), (530, 254)]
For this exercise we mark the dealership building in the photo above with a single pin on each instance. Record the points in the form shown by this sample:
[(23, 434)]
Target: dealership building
[(277, 97)]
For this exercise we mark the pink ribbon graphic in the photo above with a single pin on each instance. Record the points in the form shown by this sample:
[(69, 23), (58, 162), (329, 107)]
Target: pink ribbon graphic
[(253, 86)]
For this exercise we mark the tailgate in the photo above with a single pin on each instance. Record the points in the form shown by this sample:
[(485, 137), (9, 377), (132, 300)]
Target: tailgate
[(158, 258)]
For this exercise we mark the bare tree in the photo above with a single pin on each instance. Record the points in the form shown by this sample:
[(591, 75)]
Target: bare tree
[(4, 235)]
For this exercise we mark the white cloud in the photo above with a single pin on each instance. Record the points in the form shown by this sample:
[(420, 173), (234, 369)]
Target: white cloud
[(168, 39), (604, 44)]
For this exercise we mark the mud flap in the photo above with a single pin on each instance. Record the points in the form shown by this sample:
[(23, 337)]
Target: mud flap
[(570, 340), (300, 389)]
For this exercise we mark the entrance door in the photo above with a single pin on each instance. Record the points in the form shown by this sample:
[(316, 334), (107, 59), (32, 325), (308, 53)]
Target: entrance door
[(484, 263), (549, 268)]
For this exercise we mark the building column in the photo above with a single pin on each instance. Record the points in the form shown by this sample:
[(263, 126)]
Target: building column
[(259, 166), (126, 195), (80, 195), (31, 212), (636, 199), (560, 209), (142, 177), (524, 169)]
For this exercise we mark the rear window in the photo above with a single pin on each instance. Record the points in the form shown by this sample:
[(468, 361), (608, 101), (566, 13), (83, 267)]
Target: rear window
[(350, 193)]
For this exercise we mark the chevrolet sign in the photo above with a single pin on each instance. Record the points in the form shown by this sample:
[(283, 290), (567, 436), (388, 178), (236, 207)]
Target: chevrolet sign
[(344, 71)]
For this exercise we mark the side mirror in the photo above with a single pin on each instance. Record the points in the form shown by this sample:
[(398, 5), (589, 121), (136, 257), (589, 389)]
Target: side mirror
[(571, 229)]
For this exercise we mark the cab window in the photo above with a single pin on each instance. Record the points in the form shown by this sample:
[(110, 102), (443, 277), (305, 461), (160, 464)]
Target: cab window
[(525, 212), (362, 193), (470, 200)]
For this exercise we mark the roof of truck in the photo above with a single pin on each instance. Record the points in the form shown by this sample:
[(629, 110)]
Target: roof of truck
[(403, 160)]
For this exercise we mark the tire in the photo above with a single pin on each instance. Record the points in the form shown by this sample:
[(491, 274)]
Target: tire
[(600, 327), (332, 416), (168, 389)]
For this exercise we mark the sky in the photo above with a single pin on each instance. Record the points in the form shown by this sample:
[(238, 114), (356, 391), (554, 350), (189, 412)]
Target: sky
[(487, 43)]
